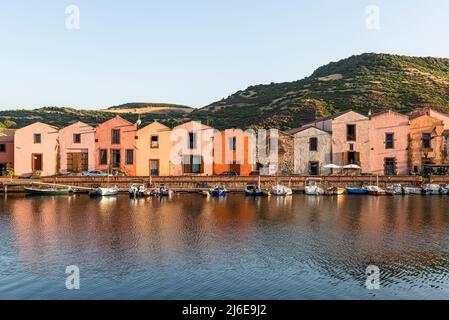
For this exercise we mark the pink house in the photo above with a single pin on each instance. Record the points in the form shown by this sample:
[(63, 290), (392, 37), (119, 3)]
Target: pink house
[(36, 149), (192, 149), (350, 140), (115, 146), (6, 150), (77, 148), (388, 136)]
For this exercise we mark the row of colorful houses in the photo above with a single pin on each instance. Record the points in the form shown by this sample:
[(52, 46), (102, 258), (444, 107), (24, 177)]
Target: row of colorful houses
[(387, 143), (121, 146)]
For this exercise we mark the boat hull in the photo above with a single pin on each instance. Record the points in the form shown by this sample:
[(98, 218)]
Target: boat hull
[(46, 192)]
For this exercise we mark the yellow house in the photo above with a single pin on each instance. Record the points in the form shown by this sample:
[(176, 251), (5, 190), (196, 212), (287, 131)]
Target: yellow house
[(153, 147)]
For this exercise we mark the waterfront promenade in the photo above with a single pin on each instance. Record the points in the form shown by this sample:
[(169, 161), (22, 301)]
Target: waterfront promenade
[(237, 183)]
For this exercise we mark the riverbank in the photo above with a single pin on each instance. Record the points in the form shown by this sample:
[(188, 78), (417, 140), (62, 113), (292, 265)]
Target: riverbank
[(195, 183)]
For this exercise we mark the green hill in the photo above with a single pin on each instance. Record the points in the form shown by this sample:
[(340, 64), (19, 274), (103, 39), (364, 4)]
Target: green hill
[(363, 82)]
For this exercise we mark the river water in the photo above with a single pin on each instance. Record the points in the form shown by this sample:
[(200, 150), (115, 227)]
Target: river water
[(192, 247)]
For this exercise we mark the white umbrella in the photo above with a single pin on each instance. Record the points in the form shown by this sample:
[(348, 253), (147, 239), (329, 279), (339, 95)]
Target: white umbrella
[(331, 166), (351, 166)]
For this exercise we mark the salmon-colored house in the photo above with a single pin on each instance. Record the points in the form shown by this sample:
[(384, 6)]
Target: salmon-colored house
[(115, 146), (388, 138), (426, 142), (6, 150), (77, 148), (36, 149), (153, 147), (192, 149), (232, 152)]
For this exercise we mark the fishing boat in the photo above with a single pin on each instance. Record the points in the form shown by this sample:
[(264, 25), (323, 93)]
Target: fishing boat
[(334, 191), (47, 192), (411, 190), (281, 190), (444, 189), (394, 189), (376, 191), (255, 191), (165, 191), (312, 188), (431, 189), (218, 191), (137, 190), (104, 192), (352, 190)]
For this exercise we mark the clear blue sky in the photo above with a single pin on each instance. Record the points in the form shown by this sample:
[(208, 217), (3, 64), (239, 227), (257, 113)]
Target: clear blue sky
[(193, 52)]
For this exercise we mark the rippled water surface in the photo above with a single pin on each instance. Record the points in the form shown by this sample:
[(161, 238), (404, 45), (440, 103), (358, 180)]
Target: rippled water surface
[(191, 247)]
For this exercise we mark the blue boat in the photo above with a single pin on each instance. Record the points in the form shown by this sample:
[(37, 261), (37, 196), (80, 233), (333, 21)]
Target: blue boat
[(350, 190), (218, 192)]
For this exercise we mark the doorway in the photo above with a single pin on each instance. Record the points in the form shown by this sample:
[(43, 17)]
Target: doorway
[(154, 167), (36, 162), (77, 161)]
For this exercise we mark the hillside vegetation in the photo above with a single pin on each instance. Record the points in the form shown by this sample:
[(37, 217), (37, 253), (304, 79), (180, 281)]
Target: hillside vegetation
[(362, 82)]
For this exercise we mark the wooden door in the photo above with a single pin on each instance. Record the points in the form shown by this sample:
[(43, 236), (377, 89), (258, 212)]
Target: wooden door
[(36, 162), (154, 167), (77, 161)]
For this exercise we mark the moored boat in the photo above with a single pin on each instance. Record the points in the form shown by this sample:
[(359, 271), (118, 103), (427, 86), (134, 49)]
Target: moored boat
[(411, 190), (281, 190), (165, 191), (47, 191), (394, 189), (312, 188), (431, 189), (352, 190), (218, 191), (335, 191), (137, 190), (376, 191), (254, 191)]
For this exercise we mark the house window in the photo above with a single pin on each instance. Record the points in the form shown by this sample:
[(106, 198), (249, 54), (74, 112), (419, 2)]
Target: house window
[(154, 142), (116, 158), (37, 138), (103, 156), (192, 140), (233, 143), (313, 144), (129, 156), (390, 166), (192, 164), (314, 168), (76, 138), (350, 132), (2, 147), (115, 136), (426, 140), (389, 140)]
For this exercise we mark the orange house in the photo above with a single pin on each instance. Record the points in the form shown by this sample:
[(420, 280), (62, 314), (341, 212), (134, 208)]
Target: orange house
[(232, 152), (115, 146), (426, 142)]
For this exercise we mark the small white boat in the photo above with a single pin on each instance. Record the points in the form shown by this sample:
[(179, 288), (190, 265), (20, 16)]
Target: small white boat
[(431, 189), (280, 190), (411, 190), (137, 190), (312, 188), (394, 188), (376, 191), (104, 192)]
